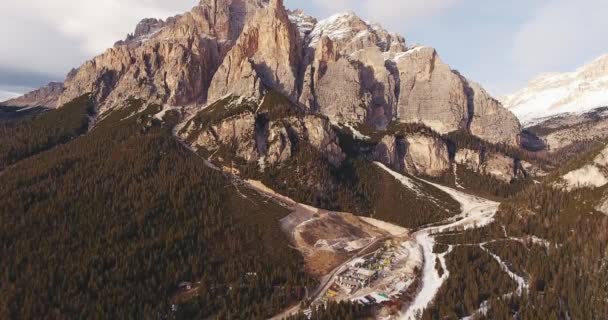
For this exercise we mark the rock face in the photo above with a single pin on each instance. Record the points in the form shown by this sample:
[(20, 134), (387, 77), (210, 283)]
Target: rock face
[(44, 97), (567, 129), (489, 120), (499, 166), (350, 70), (267, 50), (593, 175), (471, 159), (169, 62), (415, 154), (430, 92), (255, 135)]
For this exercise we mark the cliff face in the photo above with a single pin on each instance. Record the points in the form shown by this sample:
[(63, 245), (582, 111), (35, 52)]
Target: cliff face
[(46, 96), (342, 67)]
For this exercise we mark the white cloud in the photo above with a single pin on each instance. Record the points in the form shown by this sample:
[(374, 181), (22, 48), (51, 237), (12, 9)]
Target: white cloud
[(563, 34), (53, 36), (7, 95)]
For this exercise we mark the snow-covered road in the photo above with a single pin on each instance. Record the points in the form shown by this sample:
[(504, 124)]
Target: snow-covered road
[(476, 212)]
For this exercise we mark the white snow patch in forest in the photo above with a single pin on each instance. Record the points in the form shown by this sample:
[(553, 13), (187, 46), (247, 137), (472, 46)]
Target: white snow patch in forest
[(521, 282), (161, 114), (431, 281), (389, 227), (409, 183), (356, 133)]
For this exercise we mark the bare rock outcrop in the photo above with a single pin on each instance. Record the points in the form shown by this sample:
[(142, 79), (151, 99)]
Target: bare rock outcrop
[(270, 45), (46, 96), (349, 70), (489, 119), (169, 62), (471, 159), (415, 154), (592, 175), (499, 166), (430, 93), (255, 134)]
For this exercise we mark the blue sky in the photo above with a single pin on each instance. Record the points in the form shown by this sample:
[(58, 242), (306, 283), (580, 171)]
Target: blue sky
[(501, 44)]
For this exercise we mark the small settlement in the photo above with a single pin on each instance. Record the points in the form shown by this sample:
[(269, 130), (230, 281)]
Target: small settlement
[(378, 278)]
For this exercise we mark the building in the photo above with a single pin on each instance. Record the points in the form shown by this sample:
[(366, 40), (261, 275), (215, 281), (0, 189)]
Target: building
[(357, 278)]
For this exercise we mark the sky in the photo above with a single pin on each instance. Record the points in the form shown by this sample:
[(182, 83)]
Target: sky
[(501, 44)]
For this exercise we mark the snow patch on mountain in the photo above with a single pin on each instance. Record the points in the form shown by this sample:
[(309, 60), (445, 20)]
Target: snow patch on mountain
[(303, 22), (552, 94)]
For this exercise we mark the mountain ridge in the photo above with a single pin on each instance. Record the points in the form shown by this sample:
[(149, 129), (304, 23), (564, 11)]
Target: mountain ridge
[(552, 94), (188, 61)]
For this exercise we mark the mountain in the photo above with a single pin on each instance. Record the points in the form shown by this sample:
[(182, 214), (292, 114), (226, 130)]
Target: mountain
[(46, 96), (190, 59), (557, 93), (245, 161)]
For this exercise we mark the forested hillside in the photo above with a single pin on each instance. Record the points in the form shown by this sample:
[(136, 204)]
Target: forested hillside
[(30, 133), (109, 224)]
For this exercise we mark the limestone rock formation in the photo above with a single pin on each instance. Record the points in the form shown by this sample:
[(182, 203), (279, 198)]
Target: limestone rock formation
[(254, 135), (169, 62), (349, 70), (471, 159), (268, 49), (489, 120), (430, 92), (500, 167), (46, 96), (415, 154)]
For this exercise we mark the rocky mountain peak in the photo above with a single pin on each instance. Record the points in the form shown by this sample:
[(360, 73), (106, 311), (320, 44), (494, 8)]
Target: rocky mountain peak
[(343, 67)]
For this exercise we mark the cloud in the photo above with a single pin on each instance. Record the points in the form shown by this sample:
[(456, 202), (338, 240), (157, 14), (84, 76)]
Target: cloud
[(564, 33), (51, 37), (7, 95)]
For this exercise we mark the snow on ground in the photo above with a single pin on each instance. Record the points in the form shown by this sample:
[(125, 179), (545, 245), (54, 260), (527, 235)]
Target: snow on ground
[(409, 183), (553, 94), (160, 115), (390, 228), (358, 135), (458, 185), (587, 176), (431, 281), (521, 282), (476, 212)]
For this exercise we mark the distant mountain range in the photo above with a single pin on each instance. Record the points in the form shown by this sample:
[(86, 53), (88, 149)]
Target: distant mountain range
[(556, 93)]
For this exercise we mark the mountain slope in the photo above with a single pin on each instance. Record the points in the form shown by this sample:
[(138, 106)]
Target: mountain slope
[(109, 224), (553, 94)]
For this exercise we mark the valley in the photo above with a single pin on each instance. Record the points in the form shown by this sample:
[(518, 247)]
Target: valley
[(247, 161), (374, 263)]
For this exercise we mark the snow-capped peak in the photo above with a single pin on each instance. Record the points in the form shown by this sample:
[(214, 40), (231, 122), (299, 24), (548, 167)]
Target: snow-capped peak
[(338, 26), (348, 28), (552, 94)]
